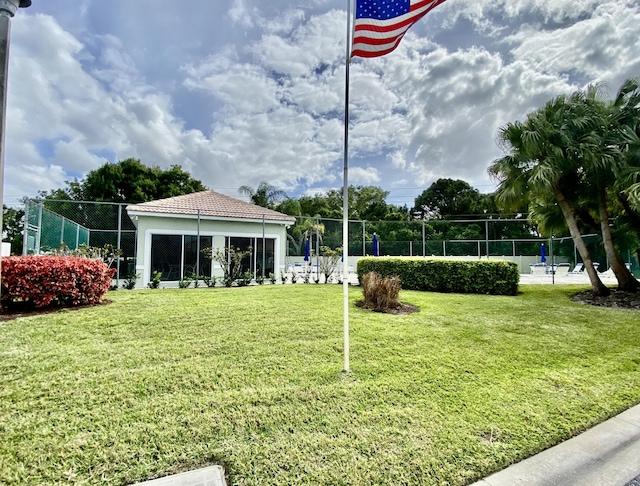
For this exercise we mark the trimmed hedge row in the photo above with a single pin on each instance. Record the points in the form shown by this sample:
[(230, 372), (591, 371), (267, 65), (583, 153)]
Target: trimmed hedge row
[(43, 281), (438, 275)]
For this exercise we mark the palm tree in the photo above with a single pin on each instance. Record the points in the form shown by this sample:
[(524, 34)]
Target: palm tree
[(541, 166), (265, 195), (303, 230), (603, 163)]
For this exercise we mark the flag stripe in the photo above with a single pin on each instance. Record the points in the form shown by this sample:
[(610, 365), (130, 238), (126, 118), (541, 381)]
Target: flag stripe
[(416, 11), (375, 37), (364, 50)]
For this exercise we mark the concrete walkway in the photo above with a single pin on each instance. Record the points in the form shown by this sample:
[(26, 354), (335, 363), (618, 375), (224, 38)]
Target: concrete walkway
[(606, 455), (207, 476), (582, 279)]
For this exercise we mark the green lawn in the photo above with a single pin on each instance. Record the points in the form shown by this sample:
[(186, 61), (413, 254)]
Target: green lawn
[(164, 381)]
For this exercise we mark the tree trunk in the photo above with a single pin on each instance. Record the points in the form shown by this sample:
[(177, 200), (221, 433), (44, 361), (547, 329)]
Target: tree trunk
[(626, 281), (596, 284)]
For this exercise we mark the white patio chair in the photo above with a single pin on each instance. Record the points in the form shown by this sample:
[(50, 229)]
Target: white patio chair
[(577, 270), (538, 268)]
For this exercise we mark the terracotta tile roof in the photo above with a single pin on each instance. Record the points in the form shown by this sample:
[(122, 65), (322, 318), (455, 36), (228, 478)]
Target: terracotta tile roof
[(210, 204)]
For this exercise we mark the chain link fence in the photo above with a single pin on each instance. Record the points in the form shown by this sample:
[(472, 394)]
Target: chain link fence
[(52, 223)]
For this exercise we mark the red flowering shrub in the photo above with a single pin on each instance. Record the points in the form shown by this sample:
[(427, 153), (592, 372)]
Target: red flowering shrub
[(43, 281)]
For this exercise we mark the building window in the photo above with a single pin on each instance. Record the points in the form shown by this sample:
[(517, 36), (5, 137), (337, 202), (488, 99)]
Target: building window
[(254, 261), (177, 257)]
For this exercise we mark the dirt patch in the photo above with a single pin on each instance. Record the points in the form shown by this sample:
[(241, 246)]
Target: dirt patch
[(618, 299), (400, 310)]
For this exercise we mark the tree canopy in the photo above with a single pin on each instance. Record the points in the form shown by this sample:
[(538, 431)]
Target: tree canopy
[(129, 181), (571, 158), (448, 199)]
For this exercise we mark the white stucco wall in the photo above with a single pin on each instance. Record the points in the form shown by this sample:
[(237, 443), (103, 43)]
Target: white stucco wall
[(216, 228)]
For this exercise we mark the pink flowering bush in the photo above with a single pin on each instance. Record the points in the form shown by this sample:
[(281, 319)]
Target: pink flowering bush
[(45, 281)]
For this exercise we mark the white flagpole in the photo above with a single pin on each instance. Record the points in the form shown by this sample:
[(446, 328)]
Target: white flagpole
[(345, 202)]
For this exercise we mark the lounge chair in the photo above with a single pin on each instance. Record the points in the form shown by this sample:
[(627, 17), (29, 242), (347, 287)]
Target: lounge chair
[(538, 268), (562, 269), (577, 270)]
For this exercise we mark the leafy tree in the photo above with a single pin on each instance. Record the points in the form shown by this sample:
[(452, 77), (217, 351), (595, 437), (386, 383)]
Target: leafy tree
[(328, 261), (290, 206), (265, 195), (230, 260), (129, 181), (448, 198), (13, 228)]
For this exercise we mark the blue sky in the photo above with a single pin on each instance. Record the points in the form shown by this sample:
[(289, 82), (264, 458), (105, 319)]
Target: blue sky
[(241, 91)]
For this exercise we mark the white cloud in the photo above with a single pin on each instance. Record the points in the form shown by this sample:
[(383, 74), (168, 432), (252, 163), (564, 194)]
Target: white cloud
[(364, 176), (248, 91)]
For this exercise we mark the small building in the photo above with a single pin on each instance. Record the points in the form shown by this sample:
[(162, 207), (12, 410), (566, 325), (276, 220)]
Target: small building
[(174, 236)]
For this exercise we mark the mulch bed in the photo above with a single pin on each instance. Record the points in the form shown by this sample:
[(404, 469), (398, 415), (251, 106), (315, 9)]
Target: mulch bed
[(400, 310), (617, 299), (26, 309)]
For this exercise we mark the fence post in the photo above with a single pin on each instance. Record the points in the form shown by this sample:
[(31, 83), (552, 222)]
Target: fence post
[(364, 249), (424, 241), (198, 248), (118, 244), (25, 230), (39, 232), (62, 232), (486, 235), (264, 249)]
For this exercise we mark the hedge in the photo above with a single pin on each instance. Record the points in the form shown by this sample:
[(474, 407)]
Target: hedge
[(43, 281), (495, 277)]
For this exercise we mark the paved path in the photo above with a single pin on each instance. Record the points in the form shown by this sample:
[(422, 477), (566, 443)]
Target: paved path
[(208, 476), (582, 279)]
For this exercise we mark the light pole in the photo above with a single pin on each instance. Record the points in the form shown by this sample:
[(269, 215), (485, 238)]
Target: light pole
[(8, 9)]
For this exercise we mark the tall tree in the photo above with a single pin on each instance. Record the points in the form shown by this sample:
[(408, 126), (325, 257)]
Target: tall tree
[(542, 165), (265, 195), (603, 162), (13, 228), (447, 198), (129, 181)]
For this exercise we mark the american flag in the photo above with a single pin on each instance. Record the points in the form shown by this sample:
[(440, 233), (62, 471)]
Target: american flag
[(381, 24)]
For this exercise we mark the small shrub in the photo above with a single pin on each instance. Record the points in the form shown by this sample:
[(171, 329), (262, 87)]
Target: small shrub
[(328, 262), (245, 279), (260, 279), (272, 278), (184, 283), (294, 277), (380, 293), (210, 281), (155, 280), (130, 281)]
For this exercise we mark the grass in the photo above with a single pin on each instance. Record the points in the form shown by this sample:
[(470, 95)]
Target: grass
[(163, 381)]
